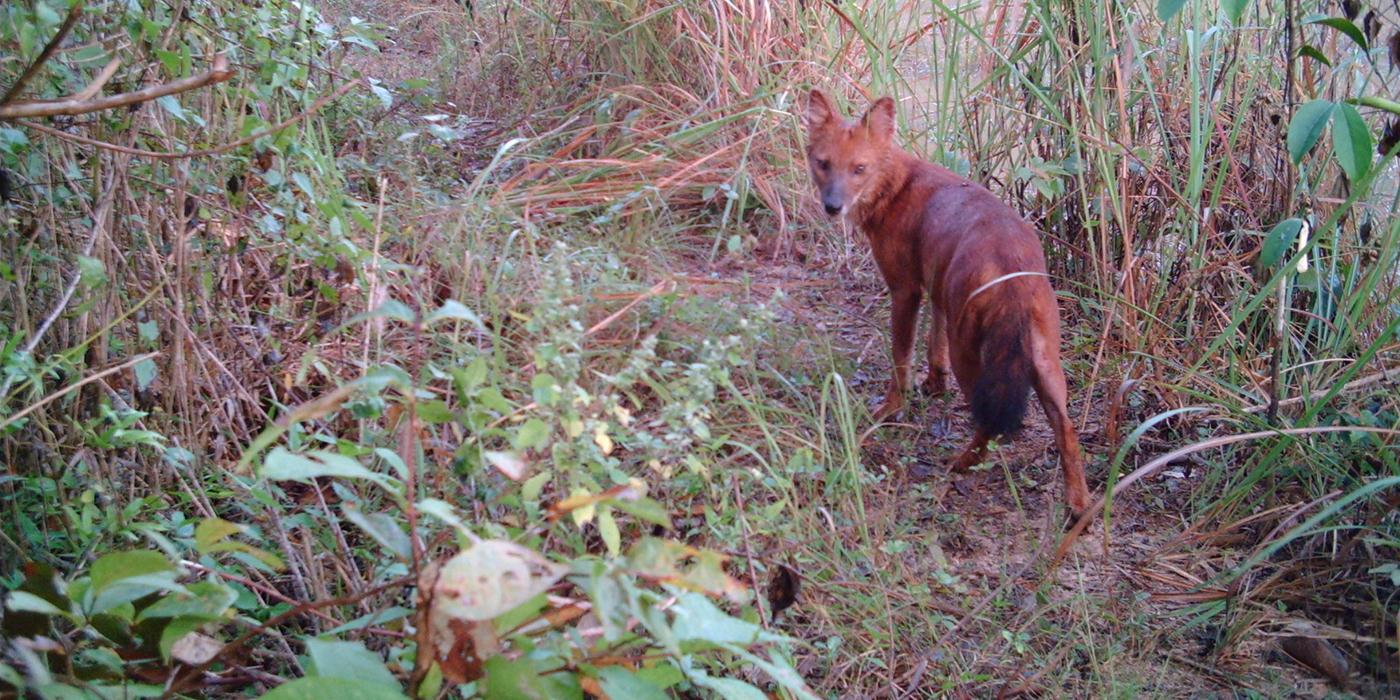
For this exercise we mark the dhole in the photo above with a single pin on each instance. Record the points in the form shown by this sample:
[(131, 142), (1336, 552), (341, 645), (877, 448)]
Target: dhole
[(937, 234)]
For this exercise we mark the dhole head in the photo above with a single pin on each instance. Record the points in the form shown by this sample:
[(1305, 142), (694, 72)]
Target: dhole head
[(845, 155)]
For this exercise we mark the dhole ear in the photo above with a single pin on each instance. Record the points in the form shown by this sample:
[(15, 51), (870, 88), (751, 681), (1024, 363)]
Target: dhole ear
[(880, 119), (819, 110)]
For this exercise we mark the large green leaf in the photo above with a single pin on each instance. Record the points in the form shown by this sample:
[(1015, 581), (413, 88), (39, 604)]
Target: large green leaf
[(1234, 9), (325, 688), (206, 600), (520, 680), (1342, 25), (282, 465), (1277, 241), (1306, 127), (729, 688), (125, 576), (333, 658), (1167, 9), (1351, 142), (619, 682), (698, 620)]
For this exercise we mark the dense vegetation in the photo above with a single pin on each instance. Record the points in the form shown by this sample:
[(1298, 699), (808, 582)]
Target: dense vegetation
[(378, 348)]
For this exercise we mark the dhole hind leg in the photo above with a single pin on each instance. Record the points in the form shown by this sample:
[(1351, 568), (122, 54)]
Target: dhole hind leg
[(1049, 382), (973, 454), (904, 315), (936, 383), (967, 366)]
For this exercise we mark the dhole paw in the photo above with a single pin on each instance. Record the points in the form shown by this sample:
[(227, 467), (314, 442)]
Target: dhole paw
[(964, 462), (1078, 506), (888, 409), (935, 384)]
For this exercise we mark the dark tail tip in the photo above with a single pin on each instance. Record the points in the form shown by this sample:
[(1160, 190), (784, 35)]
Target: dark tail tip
[(999, 394)]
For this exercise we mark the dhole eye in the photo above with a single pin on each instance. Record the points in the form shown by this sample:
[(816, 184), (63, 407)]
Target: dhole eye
[(823, 165), (860, 170)]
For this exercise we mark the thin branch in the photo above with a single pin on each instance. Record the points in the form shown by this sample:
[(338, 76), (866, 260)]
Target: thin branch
[(100, 81), (74, 105), (216, 150), (74, 13)]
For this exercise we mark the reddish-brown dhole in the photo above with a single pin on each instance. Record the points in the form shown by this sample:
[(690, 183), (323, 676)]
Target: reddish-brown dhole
[(939, 235)]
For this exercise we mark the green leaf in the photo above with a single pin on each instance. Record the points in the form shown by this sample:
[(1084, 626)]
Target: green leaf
[(204, 600), (91, 271), (434, 412), (214, 535), (619, 682), (1277, 241), (456, 311), (1351, 142), (126, 576), (383, 528), (519, 680), (328, 688), (1306, 127), (520, 614), (333, 658), (45, 14), (471, 376), (1311, 52), (385, 98), (530, 491), (532, 434), (391, 308), (1234, 9), (22, 601), (545, 389), (698, 620), (1342, 25), (282, 465), (1167, 9), (607, 529), (179, 629), (211, 531), (148, 331), (729, 688), (646, 509), (119, 566), (378, 617)]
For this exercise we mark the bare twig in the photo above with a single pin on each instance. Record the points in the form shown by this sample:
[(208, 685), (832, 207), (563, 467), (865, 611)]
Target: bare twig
[(74, 13), (216, 150), (75, 105)]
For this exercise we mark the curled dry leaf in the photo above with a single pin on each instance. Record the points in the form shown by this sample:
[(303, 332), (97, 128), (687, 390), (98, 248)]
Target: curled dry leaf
[(471, 589), (195, 649), (509, 464), (491, 578), (783, 588)]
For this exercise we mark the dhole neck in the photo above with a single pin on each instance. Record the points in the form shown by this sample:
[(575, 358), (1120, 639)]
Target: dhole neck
[(894, 179)]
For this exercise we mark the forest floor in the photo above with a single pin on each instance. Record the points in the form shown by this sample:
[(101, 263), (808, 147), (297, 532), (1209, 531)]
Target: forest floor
[(968, 585)]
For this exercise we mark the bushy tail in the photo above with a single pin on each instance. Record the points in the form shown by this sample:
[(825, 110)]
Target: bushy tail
[(999, 394)]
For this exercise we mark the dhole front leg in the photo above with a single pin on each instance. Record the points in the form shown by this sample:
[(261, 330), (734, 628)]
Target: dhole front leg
[(936, 383), (904, 316)]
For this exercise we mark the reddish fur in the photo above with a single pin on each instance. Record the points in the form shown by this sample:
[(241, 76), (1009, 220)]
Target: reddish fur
[(939, 235)]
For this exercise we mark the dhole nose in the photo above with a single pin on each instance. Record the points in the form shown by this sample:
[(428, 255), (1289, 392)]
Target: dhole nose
[(832, 211)]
